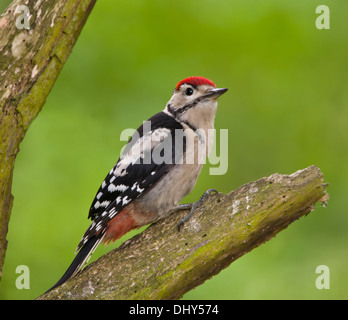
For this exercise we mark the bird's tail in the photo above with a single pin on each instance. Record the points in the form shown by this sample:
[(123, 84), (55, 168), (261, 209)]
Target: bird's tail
[(81, 258)]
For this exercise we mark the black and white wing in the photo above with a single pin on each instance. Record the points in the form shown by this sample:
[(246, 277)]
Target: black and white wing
[(135, 172)]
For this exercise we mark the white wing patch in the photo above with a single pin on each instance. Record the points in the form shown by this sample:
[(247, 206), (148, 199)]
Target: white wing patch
[(136, 186), (141, 148), (101, 204), (120, 187)]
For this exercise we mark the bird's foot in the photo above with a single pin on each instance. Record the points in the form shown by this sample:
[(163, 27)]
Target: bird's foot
[(193, 206)]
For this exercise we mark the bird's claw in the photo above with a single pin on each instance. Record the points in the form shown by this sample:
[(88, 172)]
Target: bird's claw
[(194, 206)]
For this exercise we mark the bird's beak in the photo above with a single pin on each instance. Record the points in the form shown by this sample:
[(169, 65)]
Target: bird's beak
[(215, 93)]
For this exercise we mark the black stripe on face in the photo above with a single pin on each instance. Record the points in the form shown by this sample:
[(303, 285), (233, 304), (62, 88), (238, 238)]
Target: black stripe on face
[(183, 109), (180, 111), (171, 110)]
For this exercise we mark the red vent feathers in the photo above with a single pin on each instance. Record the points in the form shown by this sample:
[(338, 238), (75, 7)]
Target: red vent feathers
[(195, 81)]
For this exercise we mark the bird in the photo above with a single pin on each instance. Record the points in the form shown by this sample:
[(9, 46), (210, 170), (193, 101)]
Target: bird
[(158, 167)]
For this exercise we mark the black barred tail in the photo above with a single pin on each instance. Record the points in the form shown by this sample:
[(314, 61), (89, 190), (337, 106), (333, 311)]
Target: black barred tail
[(80, 259)]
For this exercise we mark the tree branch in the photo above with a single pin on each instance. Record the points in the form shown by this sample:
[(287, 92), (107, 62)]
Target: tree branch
[(162, 263), (30, 62)]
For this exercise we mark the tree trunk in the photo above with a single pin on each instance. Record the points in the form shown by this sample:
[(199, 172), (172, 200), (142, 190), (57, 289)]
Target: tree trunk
[(36, 38), (163, 263)]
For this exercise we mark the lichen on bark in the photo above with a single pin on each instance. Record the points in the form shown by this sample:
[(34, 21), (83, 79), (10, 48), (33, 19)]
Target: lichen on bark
[(30, 62), (162, 263)]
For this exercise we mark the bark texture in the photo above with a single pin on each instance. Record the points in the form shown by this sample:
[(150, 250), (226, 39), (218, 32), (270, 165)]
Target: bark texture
[(36, 38), (162, 263)]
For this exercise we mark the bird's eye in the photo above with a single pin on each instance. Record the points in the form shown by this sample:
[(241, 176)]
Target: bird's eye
[(189, 91)]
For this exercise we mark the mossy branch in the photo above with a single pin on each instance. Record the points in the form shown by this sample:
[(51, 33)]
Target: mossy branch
[(162, 263), (32, 55)]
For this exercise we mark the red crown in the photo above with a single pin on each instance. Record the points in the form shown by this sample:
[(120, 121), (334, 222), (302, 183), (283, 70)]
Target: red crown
[(195, 81)]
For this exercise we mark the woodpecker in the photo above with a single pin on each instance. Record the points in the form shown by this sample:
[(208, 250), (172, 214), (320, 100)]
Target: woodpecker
[(141, 189)]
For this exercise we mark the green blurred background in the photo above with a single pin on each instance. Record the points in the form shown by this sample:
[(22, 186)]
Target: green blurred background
[(287, 108)]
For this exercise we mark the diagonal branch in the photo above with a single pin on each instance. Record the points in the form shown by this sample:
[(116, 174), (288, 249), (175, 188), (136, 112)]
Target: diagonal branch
[(162, 263)]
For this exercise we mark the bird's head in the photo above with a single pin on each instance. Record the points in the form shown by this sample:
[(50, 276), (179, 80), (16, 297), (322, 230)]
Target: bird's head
[(194, 101)]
